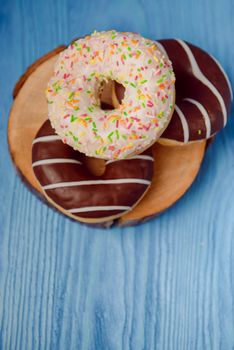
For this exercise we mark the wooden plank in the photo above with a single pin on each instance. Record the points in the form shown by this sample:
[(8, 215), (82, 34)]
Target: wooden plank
[(166, 284), (175, 167)]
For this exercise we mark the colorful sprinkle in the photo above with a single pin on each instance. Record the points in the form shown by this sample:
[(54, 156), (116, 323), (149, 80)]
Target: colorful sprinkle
[(80, 75), (109, 136)]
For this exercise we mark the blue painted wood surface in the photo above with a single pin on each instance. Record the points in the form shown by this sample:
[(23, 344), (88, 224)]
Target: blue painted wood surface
[(166, 284)]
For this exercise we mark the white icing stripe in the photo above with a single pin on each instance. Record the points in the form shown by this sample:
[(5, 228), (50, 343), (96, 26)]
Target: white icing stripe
[(96, 182), (184, 123), (204, 114), (98, 208), (162, 48), (225, 76), (46, 138), (199, 75), (142, 156), (55, 161)]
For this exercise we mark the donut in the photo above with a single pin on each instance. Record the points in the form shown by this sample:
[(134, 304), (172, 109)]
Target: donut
[(73, 94), (203, 93), (68, 184)]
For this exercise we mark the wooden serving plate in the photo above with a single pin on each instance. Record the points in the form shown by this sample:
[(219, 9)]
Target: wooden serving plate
[(176, 167)]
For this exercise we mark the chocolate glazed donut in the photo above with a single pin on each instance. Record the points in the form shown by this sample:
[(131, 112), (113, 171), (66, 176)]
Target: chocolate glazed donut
[(69, 185), (203, 93)]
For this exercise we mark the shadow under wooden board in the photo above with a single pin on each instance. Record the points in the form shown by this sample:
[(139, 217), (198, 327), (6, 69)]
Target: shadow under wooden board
[(175, 167)]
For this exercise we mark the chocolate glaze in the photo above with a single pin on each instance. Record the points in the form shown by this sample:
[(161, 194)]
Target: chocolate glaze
[(188, 86), (120, 194)]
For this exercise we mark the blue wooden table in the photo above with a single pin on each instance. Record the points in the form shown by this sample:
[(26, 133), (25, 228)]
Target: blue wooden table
[(166, 284)]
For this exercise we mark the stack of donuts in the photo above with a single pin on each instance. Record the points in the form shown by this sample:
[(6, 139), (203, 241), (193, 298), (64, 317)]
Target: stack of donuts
[(166, 91)]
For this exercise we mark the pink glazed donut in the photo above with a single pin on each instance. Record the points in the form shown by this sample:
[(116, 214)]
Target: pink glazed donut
[(74, 89)]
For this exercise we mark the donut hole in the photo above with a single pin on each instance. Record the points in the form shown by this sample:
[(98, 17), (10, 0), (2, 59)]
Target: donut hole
[(111, 95), (119, 92)]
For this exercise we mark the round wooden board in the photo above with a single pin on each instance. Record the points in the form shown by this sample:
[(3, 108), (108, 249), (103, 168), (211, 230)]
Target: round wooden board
[(175, 166)]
